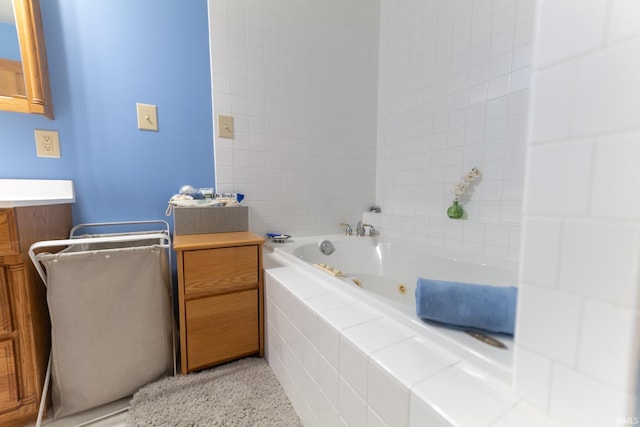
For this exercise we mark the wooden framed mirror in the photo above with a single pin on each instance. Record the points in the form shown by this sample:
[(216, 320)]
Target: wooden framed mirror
[(34, 96)]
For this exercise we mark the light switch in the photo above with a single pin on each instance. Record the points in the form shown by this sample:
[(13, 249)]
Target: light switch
[(147, 116), (225, 126)]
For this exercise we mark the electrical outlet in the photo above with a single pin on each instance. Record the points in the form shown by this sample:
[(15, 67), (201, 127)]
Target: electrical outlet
[(47, 143)]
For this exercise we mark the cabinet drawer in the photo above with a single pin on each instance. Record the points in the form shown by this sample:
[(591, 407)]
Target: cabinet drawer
[(8, 381), (216, 271), (222, 327), (8, 235)]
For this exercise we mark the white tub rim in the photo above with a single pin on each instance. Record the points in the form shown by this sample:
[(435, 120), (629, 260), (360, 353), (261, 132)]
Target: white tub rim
[(496, 363)]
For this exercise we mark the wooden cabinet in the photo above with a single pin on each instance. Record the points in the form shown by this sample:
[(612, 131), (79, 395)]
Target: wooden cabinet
[(24, 319), (220, 297)]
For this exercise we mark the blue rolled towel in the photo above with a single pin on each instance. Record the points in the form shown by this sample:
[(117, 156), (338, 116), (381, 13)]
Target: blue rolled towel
[(491, 308)]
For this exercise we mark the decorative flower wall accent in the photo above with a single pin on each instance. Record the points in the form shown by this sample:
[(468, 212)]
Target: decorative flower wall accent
[(467, 180), (455, 211)]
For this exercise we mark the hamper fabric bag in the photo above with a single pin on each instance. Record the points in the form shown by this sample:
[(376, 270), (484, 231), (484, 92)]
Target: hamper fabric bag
[(110, 324)]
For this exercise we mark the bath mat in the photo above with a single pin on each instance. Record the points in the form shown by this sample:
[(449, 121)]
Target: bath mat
[(241, 393)]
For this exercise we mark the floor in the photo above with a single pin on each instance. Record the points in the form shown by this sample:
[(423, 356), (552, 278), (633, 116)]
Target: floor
[(84, 418)]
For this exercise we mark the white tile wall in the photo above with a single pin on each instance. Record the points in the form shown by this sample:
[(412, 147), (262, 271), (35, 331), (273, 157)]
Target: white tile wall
[(320, 90), (300, 80), (453, 93), (314, 86), (578, 334)]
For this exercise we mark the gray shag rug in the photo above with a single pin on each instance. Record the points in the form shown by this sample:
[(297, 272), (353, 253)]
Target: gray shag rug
[(242, 393)]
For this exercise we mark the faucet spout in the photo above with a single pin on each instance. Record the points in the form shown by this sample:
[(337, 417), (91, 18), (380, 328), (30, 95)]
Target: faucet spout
[(360, 229), (347, 229)]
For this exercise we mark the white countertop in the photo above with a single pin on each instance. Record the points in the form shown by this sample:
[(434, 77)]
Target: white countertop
[(35, 192)]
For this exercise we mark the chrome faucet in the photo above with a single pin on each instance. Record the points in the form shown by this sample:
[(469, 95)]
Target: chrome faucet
[(360, 229), (372, 230), (348, 231)]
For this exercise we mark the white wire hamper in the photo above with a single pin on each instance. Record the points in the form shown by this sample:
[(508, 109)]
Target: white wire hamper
[(109, 300)]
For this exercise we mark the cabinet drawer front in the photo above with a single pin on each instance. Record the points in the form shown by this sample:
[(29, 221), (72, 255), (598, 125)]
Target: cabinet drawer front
[(221, 328), (8, 236), (8, 380), (216, 271)]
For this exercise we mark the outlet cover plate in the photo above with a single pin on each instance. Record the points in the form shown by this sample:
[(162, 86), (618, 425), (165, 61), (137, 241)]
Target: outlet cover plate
[(47, 143)]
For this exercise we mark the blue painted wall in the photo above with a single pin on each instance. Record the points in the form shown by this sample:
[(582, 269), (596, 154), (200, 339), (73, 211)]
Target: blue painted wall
[(104, 56)]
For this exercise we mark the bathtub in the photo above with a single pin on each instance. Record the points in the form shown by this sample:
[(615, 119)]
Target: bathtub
[(389, 268), (384, 271), (317, 315)]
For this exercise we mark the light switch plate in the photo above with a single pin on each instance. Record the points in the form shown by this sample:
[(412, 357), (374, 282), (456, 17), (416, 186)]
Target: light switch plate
[(225, 126), (147, 116), (47, 143)]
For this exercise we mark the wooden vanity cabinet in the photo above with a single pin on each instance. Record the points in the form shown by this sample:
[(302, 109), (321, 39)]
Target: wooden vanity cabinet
[(24, 319), (220, 297)]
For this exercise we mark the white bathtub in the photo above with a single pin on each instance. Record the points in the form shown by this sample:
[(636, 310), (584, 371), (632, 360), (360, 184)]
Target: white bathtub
[(387, 270), (303, 301), (383, 265)]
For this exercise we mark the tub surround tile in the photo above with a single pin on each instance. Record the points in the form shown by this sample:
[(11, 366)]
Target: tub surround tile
[(327, 412), (289, 277), (606, 353), (613, 171), (568, 196), (329, 380), (532, 373), (353, 409), (310, 358), (292, 305), (377, 334), (307, 415), (525, 415), (409, 361), (326, 302), (600, 253), (587, 31), (274, 340), (374, 420), (621, 26), (276, 318), (309, 389), (422, 414), (551, 106), (275, 363), (607, 101), (585, 89), (351, 315), (309, 325), (387, 396), (554, 335), (542, 251), (453, 389), (311, 289), (329, 342), (353, 366), (292, 336), (577, 399)]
